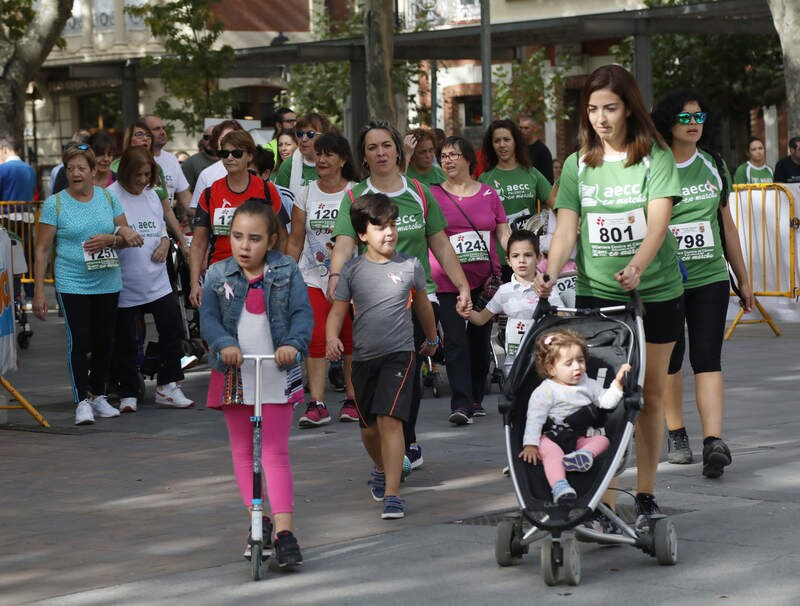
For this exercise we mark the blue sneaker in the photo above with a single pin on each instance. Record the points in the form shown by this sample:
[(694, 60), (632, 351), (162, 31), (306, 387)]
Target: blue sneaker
[(377, 485), (562, 491), (579, 460), (414, 454), (406, 468), (393, 508)]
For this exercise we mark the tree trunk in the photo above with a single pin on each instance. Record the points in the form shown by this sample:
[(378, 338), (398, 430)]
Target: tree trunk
[(379, 49), (786, 15), (22, 56)]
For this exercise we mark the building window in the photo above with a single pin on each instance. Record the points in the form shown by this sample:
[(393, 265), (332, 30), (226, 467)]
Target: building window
[(473, 111), (254, 103), (100, 110)]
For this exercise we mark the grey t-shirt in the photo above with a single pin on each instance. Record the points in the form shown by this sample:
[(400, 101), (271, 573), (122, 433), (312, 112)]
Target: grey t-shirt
[(381, 295)]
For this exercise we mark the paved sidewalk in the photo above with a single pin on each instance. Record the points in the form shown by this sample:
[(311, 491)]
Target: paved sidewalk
[(143, 509)]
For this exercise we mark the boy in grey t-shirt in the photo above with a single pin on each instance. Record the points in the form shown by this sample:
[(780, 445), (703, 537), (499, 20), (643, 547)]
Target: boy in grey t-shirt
[(383, 284)]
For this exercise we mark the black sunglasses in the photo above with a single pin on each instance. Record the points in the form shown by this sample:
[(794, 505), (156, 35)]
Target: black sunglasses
[(305, 133), (236, 153), (686, 117)]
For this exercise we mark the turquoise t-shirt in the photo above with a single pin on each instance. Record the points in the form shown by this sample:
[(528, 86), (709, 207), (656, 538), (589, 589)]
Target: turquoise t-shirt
[(695, 223), (611, 202), (76, 222), (413, 227)]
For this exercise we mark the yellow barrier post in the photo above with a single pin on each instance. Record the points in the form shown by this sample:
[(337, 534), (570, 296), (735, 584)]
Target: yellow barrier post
[(763, 282), (20, 219)]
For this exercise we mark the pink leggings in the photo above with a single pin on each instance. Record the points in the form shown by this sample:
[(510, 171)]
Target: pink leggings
[(276, 421), (552, 455)]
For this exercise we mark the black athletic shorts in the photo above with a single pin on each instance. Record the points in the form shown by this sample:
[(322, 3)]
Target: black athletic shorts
[(383, 386)]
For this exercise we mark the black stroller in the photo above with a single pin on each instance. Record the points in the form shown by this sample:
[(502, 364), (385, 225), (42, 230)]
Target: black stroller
[(615, 335)]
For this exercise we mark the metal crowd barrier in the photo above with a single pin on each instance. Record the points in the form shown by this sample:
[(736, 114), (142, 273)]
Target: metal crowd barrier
[(765, 217)]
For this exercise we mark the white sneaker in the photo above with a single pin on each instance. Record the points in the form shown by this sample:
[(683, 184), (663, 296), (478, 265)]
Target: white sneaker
[(83, 413), (172, 396), (127, 405), (188, 362), (102, 408)]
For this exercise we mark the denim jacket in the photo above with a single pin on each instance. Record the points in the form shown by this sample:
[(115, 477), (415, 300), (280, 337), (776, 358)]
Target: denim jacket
[(291, 319)]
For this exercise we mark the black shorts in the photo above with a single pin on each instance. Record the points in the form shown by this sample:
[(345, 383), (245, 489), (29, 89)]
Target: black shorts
[(663, 320), (706, 308), (383, 386)]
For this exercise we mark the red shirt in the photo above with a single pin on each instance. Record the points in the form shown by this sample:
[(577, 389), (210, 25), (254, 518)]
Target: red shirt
[(216, 206)]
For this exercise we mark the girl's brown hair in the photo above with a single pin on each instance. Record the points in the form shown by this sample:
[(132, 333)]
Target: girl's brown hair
[(257, 207), (641, 132), (549, 346), (131, 161)]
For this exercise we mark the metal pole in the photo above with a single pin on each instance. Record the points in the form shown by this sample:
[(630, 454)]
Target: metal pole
[(434, 94), (643, 66), (486, 63)]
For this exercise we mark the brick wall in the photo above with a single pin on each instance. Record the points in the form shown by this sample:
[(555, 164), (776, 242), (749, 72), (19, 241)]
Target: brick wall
[(264, 15)]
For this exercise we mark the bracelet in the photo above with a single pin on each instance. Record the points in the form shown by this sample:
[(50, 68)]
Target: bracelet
[(334, 275), (432, 343), (116, 229)]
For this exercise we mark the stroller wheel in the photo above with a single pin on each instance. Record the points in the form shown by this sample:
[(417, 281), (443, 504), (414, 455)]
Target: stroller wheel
[(549, 565), (572, 561), (435, 384), (665, 541), (503, 543)]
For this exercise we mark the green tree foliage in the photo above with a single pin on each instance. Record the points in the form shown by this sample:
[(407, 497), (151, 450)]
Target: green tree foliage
[(734, 72), (324, 87), (16, 15), (191, 66), (526, 87)]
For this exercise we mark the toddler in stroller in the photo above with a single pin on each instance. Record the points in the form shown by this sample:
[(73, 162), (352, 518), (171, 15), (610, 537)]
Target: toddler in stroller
[(565, 410), (615, 339)]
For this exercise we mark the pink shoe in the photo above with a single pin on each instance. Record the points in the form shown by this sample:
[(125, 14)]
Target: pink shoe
[(316, 414), (349, 412)]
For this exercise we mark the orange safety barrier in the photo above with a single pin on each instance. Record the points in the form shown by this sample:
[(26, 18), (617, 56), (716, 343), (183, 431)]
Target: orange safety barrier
[(765, 218)]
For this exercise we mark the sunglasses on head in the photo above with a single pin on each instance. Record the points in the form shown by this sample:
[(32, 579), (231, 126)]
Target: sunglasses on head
[(686, 117), (83, 147), (305, 133), (236, 153)]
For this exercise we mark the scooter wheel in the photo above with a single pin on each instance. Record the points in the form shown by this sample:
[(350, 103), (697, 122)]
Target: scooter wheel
[(255, 561)]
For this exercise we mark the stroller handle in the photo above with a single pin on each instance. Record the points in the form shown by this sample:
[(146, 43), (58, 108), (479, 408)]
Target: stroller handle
[(543, 306)]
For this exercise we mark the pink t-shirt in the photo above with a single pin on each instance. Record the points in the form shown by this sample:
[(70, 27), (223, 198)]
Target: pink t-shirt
[(485, 210)]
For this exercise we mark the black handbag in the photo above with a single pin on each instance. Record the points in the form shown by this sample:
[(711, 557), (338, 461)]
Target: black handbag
[(494, 280)]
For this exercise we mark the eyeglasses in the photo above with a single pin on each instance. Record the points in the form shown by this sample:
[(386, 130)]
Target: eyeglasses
[(451, 156), (141, 133), (310, 134), (686, 117), (236, 153)]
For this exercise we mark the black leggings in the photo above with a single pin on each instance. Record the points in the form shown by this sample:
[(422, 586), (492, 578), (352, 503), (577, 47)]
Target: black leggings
[(706, 307), (90, 322)]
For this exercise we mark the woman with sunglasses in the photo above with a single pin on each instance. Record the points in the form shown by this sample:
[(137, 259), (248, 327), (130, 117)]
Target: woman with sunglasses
[(707, 241), (420, 228), (103, 147), (300, 169), (476, 222), (313, 218), (87, 224), (615, 200), (522, 188), (212, 221)]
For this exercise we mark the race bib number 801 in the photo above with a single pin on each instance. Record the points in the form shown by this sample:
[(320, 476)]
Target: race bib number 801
[(616, 234)]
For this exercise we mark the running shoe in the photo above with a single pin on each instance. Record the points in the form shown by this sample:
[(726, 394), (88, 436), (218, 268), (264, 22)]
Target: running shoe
[(579, 460), (102, 408), (316, 415), (678, 451), (286, 549), (349, 412), (478, 410), (393, 508), (716, 456), (83, 413), (460, 417), (646, 509), (377, 485), (127, 405), (171, 396), (414, 454)]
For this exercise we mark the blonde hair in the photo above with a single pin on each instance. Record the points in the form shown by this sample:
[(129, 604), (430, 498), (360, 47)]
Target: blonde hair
[(549, 346)]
